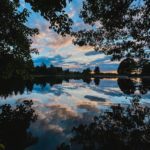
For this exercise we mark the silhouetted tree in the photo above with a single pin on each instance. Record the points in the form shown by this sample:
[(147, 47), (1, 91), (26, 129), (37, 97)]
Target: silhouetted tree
[(97, 70), (118, 28), (43, 69), (67, 71), (146, 68), (15, 35), (86, 71), (14, 123), (11, 67), (15, 41), (127, 66)]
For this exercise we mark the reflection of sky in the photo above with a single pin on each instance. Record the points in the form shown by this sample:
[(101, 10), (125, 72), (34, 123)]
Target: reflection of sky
[(62, 106)]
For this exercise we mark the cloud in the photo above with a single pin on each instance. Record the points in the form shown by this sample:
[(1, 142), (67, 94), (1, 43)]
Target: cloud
[(60, 51), (91, 53), (60, 111), (88, 106), (54, 60), (47, 38), (95, 98), (79, 61), (55, 128)]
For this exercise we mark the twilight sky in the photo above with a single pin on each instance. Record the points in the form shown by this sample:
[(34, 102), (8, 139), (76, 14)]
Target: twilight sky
[(59, 51)]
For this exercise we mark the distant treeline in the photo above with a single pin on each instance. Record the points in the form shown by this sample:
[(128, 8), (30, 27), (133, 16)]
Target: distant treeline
[(52, 70), (127, 67), (10, 69)]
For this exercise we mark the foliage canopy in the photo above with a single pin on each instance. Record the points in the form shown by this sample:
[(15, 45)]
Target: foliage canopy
[(15, 40), (53, 11), (119, 28)]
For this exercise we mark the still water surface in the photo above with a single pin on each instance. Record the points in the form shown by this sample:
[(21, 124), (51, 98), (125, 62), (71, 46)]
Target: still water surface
[(62, 105)]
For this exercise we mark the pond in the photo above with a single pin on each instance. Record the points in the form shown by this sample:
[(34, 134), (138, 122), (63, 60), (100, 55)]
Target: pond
[(61, 104)]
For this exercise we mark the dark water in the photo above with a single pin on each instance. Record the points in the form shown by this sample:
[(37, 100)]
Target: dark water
[(61, 104)]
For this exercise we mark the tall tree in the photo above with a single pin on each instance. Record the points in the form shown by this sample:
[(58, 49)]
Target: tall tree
[(15, 39), (146, 68), (127, 66), (97, 70), (118, 27), (86, 71), (14, 34)]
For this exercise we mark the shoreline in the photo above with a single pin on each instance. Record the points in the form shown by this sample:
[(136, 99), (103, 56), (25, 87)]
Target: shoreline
[(94, 76)]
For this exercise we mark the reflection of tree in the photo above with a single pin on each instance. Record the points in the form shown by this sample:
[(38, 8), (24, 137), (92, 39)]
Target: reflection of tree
[(126, 85), (97, 81), (87, 80), (146, 68), (118, 128), (9, 87), (14, 123), (145, 87)]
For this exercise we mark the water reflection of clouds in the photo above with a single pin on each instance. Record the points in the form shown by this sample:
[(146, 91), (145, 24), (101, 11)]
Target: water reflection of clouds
[(61, 111), (60, 107), (57, 121), (109, 90), (88, 106), (95, 98), (74, 84), (56, 89), (53, 91), (54, 121)]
